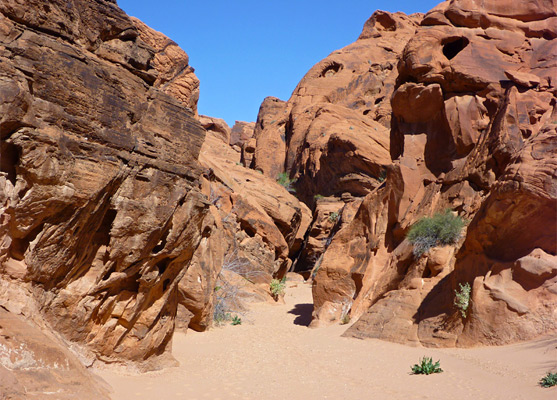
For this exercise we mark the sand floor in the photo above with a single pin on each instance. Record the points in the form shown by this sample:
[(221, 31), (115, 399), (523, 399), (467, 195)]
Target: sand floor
[(273, 355)]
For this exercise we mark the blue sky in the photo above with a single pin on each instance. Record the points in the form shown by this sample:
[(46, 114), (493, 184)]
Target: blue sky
[(244, 51)]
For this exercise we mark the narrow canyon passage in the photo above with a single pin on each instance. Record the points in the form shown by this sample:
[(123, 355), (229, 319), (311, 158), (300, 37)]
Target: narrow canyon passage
[(273, 355)]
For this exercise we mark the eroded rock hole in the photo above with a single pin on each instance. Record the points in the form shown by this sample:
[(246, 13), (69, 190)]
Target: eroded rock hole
[(453, 46), (331, 69), (162, 243), (384, 22), (19, 246), (162, 265), (359, 282), (102, 236), (8, 160)]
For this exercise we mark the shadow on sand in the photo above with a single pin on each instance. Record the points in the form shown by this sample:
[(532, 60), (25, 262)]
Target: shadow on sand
[(303, 312)]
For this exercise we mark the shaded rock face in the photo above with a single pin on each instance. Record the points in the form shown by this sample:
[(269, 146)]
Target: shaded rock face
[(473, 129), (241, 133), (263, 225), (332, 135), (101, 212)]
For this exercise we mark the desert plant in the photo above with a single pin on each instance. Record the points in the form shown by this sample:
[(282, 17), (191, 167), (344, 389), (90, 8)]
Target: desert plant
[(345, 319), (382, 176), (317, 197), (229, 293), (441, 229), (549, 380), (220, 315), (426, 367), (285, 181), (462, 298), (333, 217), (236, 320), (277, 287)]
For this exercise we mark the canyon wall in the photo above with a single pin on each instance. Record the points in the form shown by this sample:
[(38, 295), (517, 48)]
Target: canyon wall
[(120, 205), (454, 109), (123, 210), (472, 129), (102, 212)]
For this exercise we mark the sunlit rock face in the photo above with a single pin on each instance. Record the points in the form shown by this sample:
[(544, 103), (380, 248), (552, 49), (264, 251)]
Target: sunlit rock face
[(473, 129), (101, 210)]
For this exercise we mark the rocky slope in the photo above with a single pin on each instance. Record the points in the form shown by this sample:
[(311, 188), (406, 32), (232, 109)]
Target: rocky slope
[(473, 129)]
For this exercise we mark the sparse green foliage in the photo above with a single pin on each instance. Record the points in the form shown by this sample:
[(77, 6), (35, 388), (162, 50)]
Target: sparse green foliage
[(285, 181), (317, 197), (441, 229), (236, 320), (549, 380), (277, 287), (345, 319), (462, 298), (426, 367), (220, 316), (382, 176), (333, 217)]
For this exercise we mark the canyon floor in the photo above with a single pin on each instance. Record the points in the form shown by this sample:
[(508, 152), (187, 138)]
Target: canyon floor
[(274, 355)]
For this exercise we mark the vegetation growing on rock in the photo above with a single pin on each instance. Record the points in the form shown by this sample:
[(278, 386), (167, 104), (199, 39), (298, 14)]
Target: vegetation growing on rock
[(439, 230)]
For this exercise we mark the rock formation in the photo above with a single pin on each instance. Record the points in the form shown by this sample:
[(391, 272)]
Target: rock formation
[(33, 363), (122, 209), (473, 129), (112, 229), (332, 135), (101, 208)]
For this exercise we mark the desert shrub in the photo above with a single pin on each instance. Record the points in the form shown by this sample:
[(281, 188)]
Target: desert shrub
[(317, 197), (229, 293), (549, 380), (382, 176), (285, 181), (333, 217), (462, 298), (345, 319), (426, 367), (439, 230), (277, 287), (236, 320)]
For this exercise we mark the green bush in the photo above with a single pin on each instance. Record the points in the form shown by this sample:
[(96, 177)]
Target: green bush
[(277, 287), (345, 319), (426, 367), (236, 320), (439, 230), (333, 217), (382, 176), (285, 181), (462, 298), (549, 380)]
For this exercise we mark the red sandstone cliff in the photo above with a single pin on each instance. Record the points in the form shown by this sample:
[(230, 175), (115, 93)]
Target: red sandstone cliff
[(120, 206), (473, 129)]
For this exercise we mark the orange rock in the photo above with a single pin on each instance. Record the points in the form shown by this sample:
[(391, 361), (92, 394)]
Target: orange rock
[(175, 76), (101, 210), (472, 130)]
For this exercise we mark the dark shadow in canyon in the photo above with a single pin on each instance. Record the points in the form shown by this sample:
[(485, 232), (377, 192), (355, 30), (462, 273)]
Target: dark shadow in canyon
[(303, 312)]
